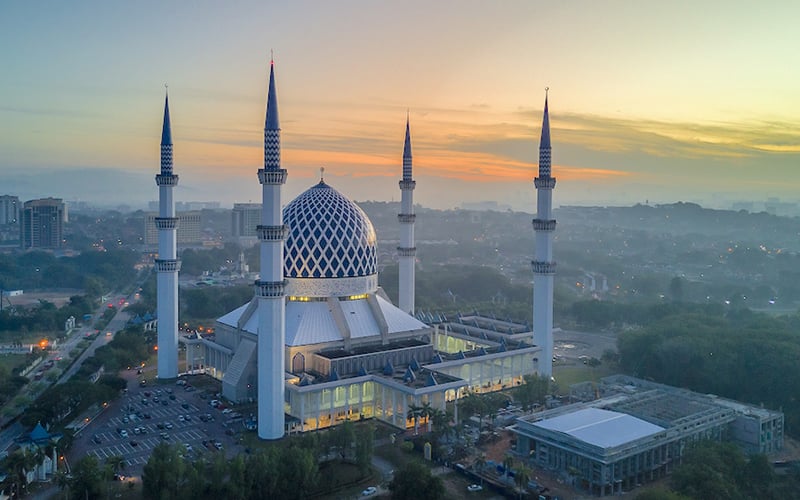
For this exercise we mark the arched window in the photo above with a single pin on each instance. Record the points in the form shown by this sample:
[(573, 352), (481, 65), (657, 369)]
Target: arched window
[(298, 363)]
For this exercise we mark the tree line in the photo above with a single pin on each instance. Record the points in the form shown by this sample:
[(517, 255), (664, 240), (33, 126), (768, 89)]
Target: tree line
[(290, 469), (740, 354)]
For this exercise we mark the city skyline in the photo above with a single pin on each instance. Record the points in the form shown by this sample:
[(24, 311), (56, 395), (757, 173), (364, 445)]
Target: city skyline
[(648, 102)]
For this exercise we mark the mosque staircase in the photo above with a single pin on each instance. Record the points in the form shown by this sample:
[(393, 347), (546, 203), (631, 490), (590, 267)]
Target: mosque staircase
[(234, 381)]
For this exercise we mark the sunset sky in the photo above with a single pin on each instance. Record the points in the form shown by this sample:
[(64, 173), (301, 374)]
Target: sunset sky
[(659, 101)]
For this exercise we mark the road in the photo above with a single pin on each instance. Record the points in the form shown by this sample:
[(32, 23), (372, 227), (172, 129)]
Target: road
[(116, 324)]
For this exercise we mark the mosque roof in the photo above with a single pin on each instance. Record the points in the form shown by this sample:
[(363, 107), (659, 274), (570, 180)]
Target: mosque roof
[(309, 323), (329, 236)]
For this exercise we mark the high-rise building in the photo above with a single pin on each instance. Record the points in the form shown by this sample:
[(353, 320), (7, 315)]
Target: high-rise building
[(407, 251), (189, 230), (245, 219), (167, 264), (9, 209), (544, 268), (43, 223)]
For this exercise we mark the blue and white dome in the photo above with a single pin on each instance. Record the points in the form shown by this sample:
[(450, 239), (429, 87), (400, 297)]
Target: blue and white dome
[(329, 236)]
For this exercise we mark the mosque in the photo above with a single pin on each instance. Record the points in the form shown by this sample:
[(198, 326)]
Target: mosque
[(320, 342)]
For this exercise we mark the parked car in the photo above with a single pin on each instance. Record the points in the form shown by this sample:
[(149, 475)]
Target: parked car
[(369, 491), (474, 487)]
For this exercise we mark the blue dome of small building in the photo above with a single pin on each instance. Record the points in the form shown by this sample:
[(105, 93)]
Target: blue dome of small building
[(329, 236)]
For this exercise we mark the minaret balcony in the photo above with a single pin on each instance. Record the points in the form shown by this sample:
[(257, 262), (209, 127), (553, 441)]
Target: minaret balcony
[(406, 218), (540, 267), (276, 176), (272, 233), (406, 252), (166, 179), (167, 265), (166, 222), (544, 225), (408, 184), (544, 182), (270, 289)]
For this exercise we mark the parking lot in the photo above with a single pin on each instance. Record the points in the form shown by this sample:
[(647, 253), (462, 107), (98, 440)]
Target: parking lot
[(147, 415)]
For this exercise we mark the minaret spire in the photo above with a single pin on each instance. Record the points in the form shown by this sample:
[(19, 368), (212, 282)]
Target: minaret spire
[(543, 266), (167, 265), (544, 142), (407, 251), (269, 288), (166, 129)]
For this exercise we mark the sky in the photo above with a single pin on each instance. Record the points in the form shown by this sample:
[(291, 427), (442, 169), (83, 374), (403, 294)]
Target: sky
[(649, 101)]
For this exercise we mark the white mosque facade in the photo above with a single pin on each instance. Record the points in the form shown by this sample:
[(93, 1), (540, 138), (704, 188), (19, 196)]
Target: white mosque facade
[(348, 353)]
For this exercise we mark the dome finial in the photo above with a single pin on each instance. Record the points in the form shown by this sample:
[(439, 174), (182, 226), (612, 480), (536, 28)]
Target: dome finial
[(321, 174)]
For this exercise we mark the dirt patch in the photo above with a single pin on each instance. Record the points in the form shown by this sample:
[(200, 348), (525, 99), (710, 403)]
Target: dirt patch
[(28, 299)]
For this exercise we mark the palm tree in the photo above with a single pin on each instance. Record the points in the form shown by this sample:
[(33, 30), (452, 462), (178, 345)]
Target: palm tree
[(20, 463), (425, 412), (440, 421), (414, 412), (521, 478), (508, 462), (63, 482), (480, 464)]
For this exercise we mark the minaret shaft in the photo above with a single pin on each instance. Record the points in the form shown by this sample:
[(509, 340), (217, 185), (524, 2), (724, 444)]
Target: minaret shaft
[(407, 251), (544, 266), (269, 289), (167, 265)]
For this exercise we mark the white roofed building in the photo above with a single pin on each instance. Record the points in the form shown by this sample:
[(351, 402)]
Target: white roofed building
[(636, 432)]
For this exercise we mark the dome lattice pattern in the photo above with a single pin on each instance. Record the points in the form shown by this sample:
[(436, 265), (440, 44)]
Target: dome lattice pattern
[(329, 236)]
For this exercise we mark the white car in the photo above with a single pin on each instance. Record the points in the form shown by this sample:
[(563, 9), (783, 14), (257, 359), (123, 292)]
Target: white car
[(123, 433), (369, 491), (474, 487)]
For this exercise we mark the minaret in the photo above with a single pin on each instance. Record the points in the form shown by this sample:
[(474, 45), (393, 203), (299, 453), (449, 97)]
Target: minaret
[(269, 288), (167, 265), (543, 266), (407, 251)]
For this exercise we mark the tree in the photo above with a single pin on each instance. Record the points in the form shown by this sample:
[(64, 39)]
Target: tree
[(63, 481), (365, 437), (87, 479), (163, 473), (471, 404), (660, 494), (479, 465), (19, 464), (508, 463), (676, 288), (414, 412), (440, 421), (415, 481), (521, 478), (343, 436), (533, 391)]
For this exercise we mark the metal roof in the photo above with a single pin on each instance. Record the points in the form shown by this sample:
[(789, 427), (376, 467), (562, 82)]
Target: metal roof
[(602, 428)]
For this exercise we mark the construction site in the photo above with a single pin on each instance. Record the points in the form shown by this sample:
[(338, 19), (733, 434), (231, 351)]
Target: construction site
[(625, 432)]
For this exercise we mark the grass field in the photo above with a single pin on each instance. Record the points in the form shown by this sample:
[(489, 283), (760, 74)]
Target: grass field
[(10, 361), (567, 375)]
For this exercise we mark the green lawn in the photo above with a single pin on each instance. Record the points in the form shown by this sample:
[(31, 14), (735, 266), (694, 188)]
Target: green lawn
[(11, 361), (567, 375)]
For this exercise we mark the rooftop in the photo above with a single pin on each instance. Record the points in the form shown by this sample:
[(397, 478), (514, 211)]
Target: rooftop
[(602, 428)]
